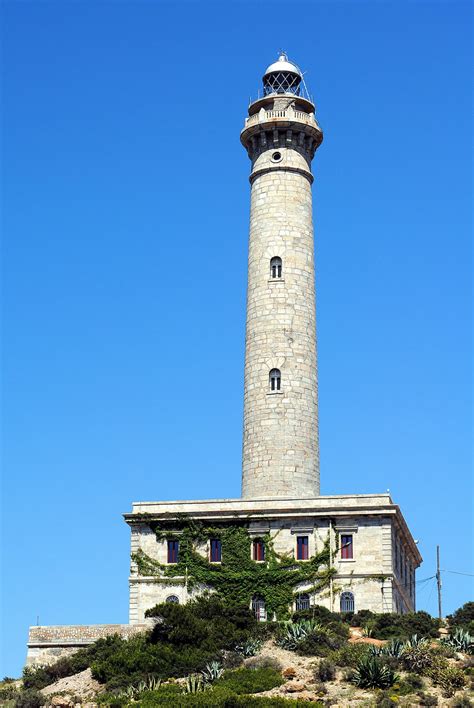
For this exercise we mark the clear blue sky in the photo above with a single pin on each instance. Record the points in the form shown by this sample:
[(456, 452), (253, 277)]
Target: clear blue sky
[(126, 207)]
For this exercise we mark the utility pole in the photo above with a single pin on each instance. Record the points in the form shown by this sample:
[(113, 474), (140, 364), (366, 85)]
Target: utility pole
[(438, 580)]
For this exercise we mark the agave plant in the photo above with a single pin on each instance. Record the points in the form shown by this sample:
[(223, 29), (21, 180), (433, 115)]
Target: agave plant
[(461, 641), (152, 683), (372, 673), (194, 684), (393, 649), (212, 672), (249, 648), (296, 632), (416, 642)]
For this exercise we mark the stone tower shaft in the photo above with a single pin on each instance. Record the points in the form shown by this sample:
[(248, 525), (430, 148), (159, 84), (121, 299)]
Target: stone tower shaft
[(280, 438)]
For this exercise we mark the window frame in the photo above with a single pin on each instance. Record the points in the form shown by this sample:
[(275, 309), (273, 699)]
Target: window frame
[(345, 595), (274, 379), (212, 547), (346, 548), (299, 600), (172, 551), (303, 547), (276, 264), (258, 549)]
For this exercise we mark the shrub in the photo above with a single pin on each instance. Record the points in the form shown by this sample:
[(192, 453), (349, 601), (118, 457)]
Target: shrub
[(231, 659), (411, 683), (263, 662), (317, 613), (426, 699), (449, 678), (461, 702), (360, 619), (31, 698), (417, 658), (319, 644), (463, 617), (8, 691), (326, 671), (390, 625), (242, 681), (384, 701), (372, 673), (349, 654)]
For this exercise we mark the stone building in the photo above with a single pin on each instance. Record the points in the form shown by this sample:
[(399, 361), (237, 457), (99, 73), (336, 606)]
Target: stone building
[(368, 554)]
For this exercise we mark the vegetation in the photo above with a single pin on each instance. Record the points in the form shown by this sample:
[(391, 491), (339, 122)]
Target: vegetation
[(460, 640), (194, 656), (237, 578), (463, 617), (371, 672)]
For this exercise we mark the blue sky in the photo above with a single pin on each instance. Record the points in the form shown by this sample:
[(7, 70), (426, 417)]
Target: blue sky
[(126, 207)]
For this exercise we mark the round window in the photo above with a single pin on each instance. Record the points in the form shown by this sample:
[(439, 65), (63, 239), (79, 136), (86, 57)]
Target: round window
[(276, 157)]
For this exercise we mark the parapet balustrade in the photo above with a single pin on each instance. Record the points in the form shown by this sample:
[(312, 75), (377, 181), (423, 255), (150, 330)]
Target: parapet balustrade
[(290, 114)]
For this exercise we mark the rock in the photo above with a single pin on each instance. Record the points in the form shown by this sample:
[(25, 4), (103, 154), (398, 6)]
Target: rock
[(289, 673), (80, 685), (62, 700), (294, 686)]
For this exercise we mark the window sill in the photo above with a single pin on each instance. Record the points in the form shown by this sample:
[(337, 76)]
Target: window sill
[(274, 393), (255, 561), (347, 560), (276, 280), (215, 562)]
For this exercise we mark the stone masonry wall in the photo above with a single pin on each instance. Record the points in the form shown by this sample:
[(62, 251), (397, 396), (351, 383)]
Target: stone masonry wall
[(48, 644), (369, 575), (280, 439)]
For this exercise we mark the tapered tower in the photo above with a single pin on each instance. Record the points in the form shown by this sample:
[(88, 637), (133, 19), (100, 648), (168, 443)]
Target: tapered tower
[(280, 438)]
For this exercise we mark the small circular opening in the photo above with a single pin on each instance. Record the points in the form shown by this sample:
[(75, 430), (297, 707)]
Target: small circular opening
[(276, 157)]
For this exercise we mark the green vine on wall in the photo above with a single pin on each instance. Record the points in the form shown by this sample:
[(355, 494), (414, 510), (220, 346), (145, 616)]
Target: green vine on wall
[(237, 578)]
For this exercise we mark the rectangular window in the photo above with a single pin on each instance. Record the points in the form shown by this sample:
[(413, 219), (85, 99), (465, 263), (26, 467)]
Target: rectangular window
[(302, 552), (258, 550), (347, 550), (173, 551), (216, 550)]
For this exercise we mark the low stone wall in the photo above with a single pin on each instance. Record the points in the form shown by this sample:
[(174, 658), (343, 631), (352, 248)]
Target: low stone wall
[(48, 644)]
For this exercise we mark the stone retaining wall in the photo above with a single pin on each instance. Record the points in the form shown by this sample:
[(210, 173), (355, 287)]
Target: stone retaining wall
[(48, 644)]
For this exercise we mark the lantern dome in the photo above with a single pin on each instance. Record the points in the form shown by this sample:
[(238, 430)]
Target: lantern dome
[(283, 76), (283, 64)]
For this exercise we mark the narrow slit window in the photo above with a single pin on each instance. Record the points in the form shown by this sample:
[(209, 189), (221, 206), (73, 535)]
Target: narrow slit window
[(347, 547), (216, 550), (276, 267), (302, 553), (258, 550), (173, 551), (275, 380)]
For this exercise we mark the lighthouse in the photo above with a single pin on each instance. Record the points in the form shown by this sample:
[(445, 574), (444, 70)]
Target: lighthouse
[(280, 432)]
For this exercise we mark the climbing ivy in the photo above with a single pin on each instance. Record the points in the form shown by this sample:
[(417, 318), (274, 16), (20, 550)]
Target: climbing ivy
[(237, 578)]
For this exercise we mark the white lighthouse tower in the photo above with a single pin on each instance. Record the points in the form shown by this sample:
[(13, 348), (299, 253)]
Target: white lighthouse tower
[(280, 437)]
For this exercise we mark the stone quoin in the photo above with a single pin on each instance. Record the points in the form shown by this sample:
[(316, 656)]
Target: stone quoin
[(373, 553)]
